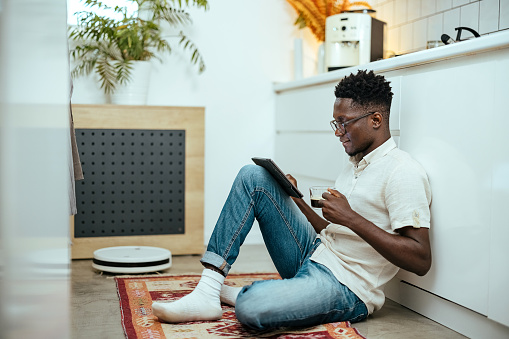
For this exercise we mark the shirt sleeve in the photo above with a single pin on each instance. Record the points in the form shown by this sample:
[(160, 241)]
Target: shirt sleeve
[(408, 197)]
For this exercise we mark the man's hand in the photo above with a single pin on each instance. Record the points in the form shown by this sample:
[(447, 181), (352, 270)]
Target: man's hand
[(314, 219), (292, 180), (409, 249), (294, 183), (336, 209)]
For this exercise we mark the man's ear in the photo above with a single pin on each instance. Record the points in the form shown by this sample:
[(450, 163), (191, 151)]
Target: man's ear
[(377, 119)]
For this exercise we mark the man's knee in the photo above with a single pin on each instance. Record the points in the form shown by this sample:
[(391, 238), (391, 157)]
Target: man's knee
[(250, 170), (251, 313), (253, 173)]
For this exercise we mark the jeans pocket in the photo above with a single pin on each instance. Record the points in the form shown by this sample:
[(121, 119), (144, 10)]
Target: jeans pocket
[(316, 243)]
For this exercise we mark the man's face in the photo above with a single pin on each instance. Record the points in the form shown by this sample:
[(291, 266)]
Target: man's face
[(359, 134)]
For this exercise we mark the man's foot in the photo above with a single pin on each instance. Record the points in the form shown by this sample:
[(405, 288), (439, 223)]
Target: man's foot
[(200, 305), (229, 294)]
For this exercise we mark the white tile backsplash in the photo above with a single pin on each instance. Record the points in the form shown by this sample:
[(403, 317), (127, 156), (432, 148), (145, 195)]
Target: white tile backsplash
[(387, 12), (435, 27), (488, 16), (451, 21), (406, 36), (394, 40), (469, 17), (413, 10), (400, 11), (457, 3), (419, 32), (443, 5), (428, 7), (408, 21), (379, 14), (504, 15)]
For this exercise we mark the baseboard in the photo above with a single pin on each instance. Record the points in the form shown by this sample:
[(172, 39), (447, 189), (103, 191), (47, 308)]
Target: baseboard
[(445, 312)]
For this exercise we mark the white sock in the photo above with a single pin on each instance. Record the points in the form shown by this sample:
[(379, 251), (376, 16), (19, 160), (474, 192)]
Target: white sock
[(200, 305), (229, 294)]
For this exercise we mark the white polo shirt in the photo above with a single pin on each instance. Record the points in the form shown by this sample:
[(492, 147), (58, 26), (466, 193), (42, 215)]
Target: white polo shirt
[(390, 189)]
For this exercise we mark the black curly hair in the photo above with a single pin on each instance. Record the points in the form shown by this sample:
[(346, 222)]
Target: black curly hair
[(367, 90)]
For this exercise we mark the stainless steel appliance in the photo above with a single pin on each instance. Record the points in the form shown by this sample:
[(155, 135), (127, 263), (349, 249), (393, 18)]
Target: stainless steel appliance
[(353, 39)]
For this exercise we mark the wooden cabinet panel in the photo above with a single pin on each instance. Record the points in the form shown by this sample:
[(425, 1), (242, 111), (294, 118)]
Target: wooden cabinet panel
[(190, 119)]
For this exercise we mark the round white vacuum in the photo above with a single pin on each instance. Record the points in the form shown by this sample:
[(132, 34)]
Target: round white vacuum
[(131, 259)]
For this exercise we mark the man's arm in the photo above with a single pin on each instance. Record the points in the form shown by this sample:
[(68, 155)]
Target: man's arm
[(316, 221), (409, 249)]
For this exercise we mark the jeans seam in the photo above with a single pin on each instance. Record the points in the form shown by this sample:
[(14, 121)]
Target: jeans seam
[(357, 304), (276, 205), (239, 229), (334, 310)]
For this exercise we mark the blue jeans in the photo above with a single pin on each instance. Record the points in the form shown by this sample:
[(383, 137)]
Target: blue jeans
[(309, 294)]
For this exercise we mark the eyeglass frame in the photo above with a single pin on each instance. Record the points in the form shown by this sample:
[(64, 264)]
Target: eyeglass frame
[(335, 125)]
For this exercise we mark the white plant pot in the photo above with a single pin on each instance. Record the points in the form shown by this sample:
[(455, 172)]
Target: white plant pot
[(135, 92)]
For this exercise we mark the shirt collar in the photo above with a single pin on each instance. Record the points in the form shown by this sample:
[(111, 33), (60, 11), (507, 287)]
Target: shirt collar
[(376, 154)]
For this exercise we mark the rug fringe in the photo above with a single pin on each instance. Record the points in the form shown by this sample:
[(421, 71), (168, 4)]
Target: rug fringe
[(148, 275)]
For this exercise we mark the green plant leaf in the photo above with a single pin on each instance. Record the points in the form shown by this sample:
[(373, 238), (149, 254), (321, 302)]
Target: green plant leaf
[(123, 69), (300, 21), (107, 75), (196, 57)]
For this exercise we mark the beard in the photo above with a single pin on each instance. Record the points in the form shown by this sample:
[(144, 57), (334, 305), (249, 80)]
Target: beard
[(357, 149)]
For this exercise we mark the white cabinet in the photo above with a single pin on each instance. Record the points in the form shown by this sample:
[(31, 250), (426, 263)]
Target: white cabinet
[(452, 122), (305, 143), (445, 125), (449, 112), (498, 300), (305, 109)]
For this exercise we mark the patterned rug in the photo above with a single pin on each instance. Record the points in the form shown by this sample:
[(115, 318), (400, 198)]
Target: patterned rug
[(137, 293)]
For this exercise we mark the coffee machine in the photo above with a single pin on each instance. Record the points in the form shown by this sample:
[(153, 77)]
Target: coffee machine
[(353, 39)]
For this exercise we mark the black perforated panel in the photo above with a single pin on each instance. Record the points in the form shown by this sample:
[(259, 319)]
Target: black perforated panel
[(134, 182)]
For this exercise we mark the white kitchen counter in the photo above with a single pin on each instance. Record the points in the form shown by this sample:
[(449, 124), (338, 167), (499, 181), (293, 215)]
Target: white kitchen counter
[(486, 43)]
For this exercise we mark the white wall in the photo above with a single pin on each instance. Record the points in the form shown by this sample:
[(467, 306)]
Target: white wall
[(34, 170), (247, 46)]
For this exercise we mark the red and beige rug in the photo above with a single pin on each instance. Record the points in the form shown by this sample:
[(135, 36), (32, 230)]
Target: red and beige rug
[(137, 293)]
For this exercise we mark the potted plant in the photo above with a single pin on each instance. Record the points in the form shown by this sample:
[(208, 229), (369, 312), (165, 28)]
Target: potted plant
[(119, 50)]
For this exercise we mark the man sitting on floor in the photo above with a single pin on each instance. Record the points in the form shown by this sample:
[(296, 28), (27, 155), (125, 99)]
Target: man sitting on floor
[(333, 269)]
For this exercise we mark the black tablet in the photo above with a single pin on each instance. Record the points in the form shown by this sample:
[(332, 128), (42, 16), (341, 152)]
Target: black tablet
[(280, 177)]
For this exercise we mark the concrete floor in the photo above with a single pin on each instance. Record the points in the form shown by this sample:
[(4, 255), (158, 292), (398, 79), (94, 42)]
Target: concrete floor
[(96, 311)]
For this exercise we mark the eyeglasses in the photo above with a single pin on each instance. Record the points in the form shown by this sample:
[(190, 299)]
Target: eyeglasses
[(341, 126)]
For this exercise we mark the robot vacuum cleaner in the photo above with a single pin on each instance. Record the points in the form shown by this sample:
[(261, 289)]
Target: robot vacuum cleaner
[(131, 259)]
